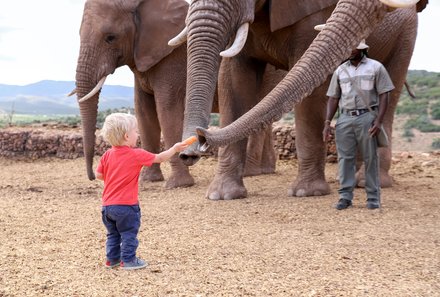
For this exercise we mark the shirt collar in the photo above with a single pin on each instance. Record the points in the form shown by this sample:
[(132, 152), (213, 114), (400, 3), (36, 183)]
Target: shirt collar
[(364, 60)]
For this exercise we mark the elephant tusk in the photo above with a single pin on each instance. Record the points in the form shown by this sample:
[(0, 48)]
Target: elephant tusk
[(240, 40), (73, 92), (399, 3), (179, 39), (319, 27), (94, 91)]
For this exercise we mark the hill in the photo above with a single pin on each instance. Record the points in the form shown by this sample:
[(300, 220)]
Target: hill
[(49, 97)]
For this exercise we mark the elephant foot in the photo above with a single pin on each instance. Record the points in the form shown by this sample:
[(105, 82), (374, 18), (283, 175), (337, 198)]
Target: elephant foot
[(180, 180), (386, 180), (222, 188), (253, 171), (302, 188), (151, 174)]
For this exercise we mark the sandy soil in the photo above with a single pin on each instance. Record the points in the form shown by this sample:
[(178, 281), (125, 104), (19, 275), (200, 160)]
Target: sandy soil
[(52, 239)]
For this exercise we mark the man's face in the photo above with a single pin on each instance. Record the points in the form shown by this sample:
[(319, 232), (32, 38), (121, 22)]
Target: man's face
[(356, 54)]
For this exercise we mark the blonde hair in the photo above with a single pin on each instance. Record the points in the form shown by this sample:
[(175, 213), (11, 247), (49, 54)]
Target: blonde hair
[(116, 125)]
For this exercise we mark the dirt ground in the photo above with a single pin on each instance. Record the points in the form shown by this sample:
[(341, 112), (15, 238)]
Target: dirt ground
[(52, 238)]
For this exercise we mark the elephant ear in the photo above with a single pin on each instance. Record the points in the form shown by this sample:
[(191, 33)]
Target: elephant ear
[(157, 21), (284, 13)]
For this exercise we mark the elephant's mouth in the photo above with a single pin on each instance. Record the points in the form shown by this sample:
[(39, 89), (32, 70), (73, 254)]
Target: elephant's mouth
[(189, 157), (192, 155)]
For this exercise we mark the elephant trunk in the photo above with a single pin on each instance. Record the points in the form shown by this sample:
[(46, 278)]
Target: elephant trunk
[(205, 42), (85, 82), (333, 44)]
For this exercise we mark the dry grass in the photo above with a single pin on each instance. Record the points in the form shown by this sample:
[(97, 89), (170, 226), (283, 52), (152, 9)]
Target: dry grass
[(265, 245)]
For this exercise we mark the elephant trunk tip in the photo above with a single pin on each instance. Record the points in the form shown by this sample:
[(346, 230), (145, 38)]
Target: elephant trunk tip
[(91, 176), (202, 134), (207, 139)]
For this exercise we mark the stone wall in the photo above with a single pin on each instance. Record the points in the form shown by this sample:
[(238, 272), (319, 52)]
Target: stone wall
[(66, 143), (284, 143)]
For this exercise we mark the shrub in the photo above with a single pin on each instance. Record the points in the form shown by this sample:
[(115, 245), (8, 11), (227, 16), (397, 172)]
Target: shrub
[(102, 114), (413, 107), (422, 123), (408, 133), (435, 111), (436, 143), (214, 120), (71, 121)]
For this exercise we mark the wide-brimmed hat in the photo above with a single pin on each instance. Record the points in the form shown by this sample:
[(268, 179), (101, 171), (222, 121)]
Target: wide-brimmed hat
[(362, 45)]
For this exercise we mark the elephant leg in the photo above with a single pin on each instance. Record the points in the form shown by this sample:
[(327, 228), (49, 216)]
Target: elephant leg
[(269, 156), (396, 63), (170, 109), (385, 153), (238, 84), (149, 131), (261, 156), (311, 150)]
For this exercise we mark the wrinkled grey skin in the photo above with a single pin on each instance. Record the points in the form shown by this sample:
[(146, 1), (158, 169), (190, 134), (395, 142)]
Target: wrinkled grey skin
[(115, 33), (136, 33), (212, 24)]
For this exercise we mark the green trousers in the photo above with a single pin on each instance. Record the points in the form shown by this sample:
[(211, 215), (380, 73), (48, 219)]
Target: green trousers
[(351, 138)]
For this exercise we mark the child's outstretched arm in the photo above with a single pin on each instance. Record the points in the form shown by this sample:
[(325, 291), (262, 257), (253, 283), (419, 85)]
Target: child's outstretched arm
[(166, 155), (99, 175)]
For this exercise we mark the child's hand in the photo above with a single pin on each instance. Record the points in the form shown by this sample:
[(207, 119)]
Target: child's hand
[(184, 144), (180, 146)]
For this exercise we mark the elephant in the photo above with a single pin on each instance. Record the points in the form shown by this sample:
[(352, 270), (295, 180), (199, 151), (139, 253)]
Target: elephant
[(280, 32), (135, 33), (115, 33)]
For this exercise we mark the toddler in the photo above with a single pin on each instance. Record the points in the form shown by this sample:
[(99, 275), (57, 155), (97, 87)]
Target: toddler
[(119, 168)]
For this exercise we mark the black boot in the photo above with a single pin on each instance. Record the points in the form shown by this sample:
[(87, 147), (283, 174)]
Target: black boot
[(373, 203), (343, 204)]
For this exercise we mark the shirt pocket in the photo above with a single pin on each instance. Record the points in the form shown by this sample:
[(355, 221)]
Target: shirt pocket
[(345, 86), (367, 83)]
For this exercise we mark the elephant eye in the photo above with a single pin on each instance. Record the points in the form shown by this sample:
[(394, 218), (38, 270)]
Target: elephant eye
[(110, 38)]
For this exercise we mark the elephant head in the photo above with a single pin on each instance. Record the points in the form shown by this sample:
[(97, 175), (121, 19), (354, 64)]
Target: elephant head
[(114, 33), (211, 24)]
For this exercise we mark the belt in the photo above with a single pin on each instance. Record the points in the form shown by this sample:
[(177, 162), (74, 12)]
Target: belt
[(357, 112)]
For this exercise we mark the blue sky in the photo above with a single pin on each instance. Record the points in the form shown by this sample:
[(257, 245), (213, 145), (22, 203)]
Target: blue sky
[(39, 39)]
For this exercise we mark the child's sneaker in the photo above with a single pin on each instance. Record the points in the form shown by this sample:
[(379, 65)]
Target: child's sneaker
[(136, 263), (112, 263)]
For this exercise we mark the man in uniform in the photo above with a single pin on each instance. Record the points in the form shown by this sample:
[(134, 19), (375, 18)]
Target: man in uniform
[(360, 87)]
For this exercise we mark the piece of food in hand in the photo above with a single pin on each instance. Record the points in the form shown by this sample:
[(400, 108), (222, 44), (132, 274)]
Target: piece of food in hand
[(190, 140)]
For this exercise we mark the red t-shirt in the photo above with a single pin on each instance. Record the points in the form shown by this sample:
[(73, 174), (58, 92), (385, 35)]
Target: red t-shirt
[(120, 167)]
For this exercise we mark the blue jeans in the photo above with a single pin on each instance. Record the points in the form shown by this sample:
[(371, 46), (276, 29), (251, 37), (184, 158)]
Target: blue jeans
[(122, 223)]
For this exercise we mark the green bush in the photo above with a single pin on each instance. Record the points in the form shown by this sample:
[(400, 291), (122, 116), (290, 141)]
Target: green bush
[(72, 120), (422, 123), (214, 120), (412, 107), (436, 143), (426, 86), (435, 111), (408, 133), (102, 114)]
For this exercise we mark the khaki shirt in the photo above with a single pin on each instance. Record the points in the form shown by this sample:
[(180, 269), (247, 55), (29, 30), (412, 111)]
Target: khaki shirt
[(371, 79)]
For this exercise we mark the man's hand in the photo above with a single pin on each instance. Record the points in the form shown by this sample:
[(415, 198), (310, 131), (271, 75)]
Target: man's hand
[(326, 133), (375, 128)]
